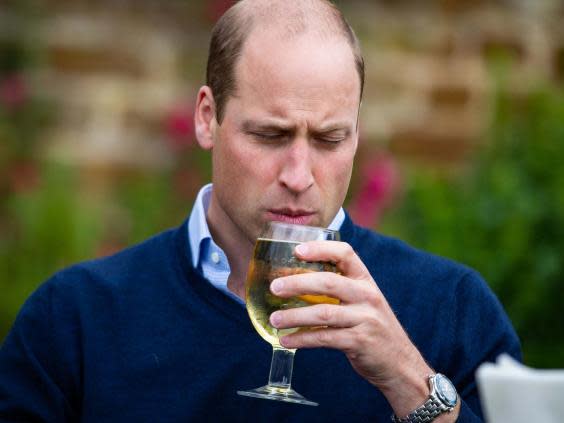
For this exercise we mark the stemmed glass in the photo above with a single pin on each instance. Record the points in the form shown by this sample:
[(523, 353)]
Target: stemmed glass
[(273, 257)]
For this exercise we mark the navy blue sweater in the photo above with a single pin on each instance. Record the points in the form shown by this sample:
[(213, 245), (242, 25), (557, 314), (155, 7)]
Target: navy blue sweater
[(142, 337)]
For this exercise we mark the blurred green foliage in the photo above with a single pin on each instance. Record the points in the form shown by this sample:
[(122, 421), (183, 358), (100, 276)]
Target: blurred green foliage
[(44, 230), (504, 217)]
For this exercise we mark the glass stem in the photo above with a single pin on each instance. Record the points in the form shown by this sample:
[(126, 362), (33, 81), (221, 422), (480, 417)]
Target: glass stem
[(281, 368)]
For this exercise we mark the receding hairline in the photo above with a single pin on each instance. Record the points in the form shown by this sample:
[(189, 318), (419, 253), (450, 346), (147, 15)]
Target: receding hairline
[(284, 19), (291, 17)]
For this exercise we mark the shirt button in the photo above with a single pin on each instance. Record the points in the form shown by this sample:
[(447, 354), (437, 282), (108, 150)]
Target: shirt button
[(215, 257)]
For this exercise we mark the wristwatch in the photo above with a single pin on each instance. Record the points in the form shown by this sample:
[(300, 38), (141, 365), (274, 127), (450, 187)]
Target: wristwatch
[(443, 398)]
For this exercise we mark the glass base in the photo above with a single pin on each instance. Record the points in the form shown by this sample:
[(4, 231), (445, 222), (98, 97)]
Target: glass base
[(277, 394)]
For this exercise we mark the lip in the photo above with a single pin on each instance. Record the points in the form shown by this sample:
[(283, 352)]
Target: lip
[(297, 217)]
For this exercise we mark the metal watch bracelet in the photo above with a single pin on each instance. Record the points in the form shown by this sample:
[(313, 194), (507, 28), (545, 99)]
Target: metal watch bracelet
[(423, 414), (443, 398)]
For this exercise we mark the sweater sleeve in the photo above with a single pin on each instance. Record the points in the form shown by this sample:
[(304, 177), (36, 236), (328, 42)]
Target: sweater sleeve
[(478, 331), (467, 415), (36, 363)]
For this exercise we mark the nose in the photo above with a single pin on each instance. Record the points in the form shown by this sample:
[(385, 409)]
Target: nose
[(296, 174)]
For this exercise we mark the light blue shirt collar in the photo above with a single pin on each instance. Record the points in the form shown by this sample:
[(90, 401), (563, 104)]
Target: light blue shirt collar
[(198, 229), (206, 254)]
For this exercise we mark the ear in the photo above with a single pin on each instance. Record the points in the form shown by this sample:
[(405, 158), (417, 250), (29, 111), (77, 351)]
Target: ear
[(204, 118)]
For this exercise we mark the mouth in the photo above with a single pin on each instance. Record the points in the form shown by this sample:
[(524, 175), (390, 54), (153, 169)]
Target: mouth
[(297, 217)]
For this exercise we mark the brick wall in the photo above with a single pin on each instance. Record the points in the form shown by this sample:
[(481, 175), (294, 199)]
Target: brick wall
[(117, 67)]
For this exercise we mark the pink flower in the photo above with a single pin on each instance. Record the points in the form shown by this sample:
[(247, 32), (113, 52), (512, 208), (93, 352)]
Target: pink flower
[(380, 183), (180, 127), (13, 92)]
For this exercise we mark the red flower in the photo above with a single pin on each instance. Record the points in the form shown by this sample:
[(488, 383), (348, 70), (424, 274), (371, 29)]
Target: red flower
[(180, 127), (13, 92), (380, 183)]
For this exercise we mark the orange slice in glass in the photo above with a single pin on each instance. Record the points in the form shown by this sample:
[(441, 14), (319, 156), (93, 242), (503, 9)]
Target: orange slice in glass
[(319, 299)]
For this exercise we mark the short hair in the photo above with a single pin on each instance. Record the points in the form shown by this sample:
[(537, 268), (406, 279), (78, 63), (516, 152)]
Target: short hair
[(232, 30)]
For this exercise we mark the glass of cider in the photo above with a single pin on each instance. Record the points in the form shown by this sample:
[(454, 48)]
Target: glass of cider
[(273, 257)]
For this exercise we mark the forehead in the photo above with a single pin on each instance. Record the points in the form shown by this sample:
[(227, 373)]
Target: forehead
[(306, 70)]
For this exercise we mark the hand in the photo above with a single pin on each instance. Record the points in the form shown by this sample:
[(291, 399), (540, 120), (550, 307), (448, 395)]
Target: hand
[(363, 326)]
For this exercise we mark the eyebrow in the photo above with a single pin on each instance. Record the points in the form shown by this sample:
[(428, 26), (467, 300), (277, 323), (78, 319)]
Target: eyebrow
[(333, 128), (251, 125)]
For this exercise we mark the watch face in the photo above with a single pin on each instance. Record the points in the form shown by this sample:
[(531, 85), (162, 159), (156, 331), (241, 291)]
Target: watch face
[(446, 390)]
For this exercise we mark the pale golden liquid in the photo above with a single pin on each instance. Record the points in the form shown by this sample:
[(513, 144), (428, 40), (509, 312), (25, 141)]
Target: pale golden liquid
[(271, 260)]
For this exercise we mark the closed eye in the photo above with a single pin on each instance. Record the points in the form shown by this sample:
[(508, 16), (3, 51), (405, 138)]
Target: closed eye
[(332, 137), (331, 140), (268, 136)]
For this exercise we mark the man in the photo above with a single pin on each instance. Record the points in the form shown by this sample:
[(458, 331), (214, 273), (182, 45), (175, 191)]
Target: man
[(159, 332)]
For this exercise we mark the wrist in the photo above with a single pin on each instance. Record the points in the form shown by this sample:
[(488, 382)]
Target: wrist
[(408, 389), (442, 405)]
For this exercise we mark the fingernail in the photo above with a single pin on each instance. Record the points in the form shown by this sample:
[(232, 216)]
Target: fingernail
[(275, 319), (301, 249), (276, 286)]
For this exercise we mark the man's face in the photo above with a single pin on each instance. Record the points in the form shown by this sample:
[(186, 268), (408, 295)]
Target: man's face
[(285, 148)]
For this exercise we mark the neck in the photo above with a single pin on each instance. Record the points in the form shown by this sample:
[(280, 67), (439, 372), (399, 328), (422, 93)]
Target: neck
[(237, 247)]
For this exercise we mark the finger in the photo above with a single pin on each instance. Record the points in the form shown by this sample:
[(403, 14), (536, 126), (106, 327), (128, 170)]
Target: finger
[(321, 283), (339, 339), (340, 253), (316, 315)]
